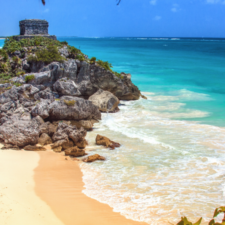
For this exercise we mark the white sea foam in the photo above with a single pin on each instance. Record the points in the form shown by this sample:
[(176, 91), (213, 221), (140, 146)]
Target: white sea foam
[(164, 169)]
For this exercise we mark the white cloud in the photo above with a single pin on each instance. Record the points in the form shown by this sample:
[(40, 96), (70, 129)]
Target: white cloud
[(157, 18), (215, 1), (175, 8), (153, 2)]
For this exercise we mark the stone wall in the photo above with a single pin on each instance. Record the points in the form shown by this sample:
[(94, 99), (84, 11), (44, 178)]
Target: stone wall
[(33, 27)]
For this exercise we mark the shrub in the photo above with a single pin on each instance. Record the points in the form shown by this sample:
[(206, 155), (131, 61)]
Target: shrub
[(93, 60), (17, 84), (64, 42), (80, 57), (118, 75), (29, 78), (69, 102), (47, 55), (106, 65), (20, 73), (4, 67), (3, 55), (16, 59), (73, 50)]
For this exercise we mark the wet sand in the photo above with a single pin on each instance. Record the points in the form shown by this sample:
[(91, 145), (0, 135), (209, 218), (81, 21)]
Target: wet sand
[(59, 184)]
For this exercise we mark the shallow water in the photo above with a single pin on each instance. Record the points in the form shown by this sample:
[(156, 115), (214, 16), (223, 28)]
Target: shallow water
[(171, 162)]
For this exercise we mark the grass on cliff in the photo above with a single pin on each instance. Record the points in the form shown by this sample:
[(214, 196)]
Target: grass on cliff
[(11, 45), (46, 55)]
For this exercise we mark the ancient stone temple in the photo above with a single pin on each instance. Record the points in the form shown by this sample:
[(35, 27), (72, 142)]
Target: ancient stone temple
[(32, 28)]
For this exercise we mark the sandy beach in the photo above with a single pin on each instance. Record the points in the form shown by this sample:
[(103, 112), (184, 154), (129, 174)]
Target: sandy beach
[(42, 188)]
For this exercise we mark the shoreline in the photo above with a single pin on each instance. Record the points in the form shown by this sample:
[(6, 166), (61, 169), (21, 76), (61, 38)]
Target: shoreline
[(59, 183)]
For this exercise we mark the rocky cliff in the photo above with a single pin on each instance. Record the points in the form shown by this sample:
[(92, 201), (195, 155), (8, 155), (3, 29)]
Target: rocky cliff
[(52, 93)]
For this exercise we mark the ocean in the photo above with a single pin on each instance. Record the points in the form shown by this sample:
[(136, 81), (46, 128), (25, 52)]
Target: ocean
[(171, 162)]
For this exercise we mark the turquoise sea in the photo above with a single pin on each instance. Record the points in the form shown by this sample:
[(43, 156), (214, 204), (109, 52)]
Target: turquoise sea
[(171, 162)]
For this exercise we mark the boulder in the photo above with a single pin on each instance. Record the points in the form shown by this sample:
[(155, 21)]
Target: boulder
[(74, 151), (93, 158), (73, 108), (82, 144), (104, 100), (34, 148), (41, 109), (86, 124), (66, 132), (10, 147), (101, 140), (57, 149), (44, 139), (44, 78), (66, 86), (68, 144), (20, 132), (48, 128), (144, 97)]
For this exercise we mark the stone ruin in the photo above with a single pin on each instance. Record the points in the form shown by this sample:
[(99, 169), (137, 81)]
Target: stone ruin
[(32, 28)]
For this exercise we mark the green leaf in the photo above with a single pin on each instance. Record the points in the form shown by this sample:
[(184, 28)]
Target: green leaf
[(198, 222), (212, 222)]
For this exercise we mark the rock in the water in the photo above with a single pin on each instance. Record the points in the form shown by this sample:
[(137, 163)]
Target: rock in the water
[(101, 140), (44, 139), (34, 148), (20, 132), (73, 108), (93, 158), (104, 100), (144, 97), (75, 151)]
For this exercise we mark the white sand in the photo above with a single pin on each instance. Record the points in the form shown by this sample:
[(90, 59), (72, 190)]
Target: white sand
[(19, 205)]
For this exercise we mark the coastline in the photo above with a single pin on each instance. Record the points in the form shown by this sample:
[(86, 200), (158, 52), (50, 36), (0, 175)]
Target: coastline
[(59, 184)]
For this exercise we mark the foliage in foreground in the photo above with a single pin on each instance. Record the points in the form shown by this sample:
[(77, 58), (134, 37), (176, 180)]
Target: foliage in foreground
[(185, 221), (29, 78)]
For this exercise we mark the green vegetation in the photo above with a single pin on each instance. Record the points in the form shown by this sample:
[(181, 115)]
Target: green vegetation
[(184, 220), (29, 78), (46, 55), (17, 84), (3, 55), (64, 43), (93, 60), (69, 102), (80, 57), (11, 45), (20, 73)]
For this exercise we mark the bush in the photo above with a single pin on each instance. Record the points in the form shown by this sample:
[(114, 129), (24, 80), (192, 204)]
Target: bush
[(73, 50), (118, 75), (47, 55), (93, 60), (16, 59), (3, 55), (64, 42), (20, 73), (4, 67), (17, 84), (69, 102), (80, 57), (29, 78), (106, 65)]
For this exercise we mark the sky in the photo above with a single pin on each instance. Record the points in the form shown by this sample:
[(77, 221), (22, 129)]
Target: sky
[(132, 18)]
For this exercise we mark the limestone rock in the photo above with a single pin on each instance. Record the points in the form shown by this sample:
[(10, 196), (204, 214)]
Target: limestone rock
[(73, 108), (82, 144), (93, 158), (41, 109), (48, 128), (68, 144), (74, 151), (101, 140), (34, 148), (104, 100), (44, 139), (86, 124), (20, 132), (57, 149), (66, 86), (10, 147)]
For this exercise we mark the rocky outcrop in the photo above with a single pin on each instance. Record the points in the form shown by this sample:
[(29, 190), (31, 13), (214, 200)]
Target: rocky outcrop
[(73, 108), (41, 109), (93, 158), (86, 124), (75, 152), (101, 140), (44, 139), (20, 132), (104, 100), (34, 148)]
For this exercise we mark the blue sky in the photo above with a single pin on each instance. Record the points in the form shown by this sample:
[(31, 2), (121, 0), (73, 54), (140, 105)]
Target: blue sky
[(132, 18)]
